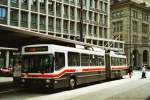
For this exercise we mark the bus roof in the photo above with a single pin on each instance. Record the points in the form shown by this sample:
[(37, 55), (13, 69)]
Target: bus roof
[(53, 47), (115, 54)]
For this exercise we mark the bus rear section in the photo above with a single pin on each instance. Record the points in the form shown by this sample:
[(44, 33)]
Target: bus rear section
[(118, 64)]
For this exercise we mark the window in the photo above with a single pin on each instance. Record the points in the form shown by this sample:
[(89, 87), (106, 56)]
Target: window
[(95, 31), (145, 28), (72, 27), (84, 15), (4, 2), (135, 26), (105, 32), (58, 25), (105, 20), (51, 7), (24, 4), (96, 1), (51, 24), (106, 7), (101, 5), (145, 17), (42, 22), (58, 9), (3, 15), (84, 29), (34, 5), (14, 3), (72, 1), (135, 14), (85, 60), (38, 63), (96, 60), (101, 32), (24, 19), (73, 59), (59, 60), (135, 38), (118, 26), (145, 39), (100, 60), (72, 14), (14, 17), (78, 14), (84, 2), (78, 28), (42, 6), (95, 17), (65, 26), (93, 60), (65, 11), (3, 12), (34, 21), (101, 19), (90, 30), (91, 3), (90, 15)]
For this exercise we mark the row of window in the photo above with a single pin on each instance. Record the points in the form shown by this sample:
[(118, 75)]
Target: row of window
[(145, 27), (118, 61), (103, 6), (145, 17), (34, 24), (118, 27), (134, 14), (77, 59)]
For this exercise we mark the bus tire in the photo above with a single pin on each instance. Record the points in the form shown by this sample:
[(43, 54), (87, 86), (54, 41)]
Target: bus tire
[(72, 83)]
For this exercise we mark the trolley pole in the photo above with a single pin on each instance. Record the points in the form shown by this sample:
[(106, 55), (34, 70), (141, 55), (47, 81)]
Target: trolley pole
[(81, 21)]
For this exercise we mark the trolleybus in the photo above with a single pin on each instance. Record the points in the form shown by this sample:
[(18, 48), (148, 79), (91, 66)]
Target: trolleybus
[(55, 66)]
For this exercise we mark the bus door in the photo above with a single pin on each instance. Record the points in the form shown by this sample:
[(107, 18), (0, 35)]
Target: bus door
[(108, 65)]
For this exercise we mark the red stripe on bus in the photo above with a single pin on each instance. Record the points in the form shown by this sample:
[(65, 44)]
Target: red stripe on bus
[(70, 71), (93, 69), (119, 68), (52, 75)]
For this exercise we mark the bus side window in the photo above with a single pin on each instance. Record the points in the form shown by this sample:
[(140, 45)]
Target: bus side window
[(73, 59), (59, 60)]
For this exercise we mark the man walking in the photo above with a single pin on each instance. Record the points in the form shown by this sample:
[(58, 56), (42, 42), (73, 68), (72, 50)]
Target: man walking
[(143, 71)]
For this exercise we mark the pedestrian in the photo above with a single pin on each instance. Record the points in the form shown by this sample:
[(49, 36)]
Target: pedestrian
[(130, 71), (143, 71), (17, 72)]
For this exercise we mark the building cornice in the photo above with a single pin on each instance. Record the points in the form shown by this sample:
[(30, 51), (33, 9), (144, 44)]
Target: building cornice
[(130, 3)]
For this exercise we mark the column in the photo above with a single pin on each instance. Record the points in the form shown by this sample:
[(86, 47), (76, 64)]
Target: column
[(7, 59)]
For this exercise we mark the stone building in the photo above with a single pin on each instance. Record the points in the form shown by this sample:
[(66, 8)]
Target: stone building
[(130, 22)]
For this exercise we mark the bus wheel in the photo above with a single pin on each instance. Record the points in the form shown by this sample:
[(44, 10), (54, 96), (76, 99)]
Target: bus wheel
[(72, 83)]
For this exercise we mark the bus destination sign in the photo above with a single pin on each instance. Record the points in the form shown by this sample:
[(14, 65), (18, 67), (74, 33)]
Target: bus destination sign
[(36, 49)]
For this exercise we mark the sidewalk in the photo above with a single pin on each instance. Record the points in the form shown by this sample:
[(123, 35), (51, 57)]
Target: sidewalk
[(6, 79)]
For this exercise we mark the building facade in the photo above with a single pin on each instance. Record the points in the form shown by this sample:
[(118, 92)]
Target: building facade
[(60, 18), (130, 21)]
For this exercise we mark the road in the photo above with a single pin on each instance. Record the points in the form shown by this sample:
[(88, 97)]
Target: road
[(133, 88)]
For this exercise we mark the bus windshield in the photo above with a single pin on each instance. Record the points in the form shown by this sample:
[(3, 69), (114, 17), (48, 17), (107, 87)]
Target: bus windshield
[(37, 63)]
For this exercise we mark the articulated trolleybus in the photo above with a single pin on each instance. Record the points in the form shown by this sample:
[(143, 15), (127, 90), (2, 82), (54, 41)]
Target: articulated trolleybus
[(55, 66)]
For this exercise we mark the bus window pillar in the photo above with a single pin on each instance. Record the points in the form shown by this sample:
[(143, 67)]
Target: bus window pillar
[(7, 59)]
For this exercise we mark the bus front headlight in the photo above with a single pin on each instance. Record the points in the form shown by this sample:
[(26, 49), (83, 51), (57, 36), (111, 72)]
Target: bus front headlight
[(23, 80), (47, 81)]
